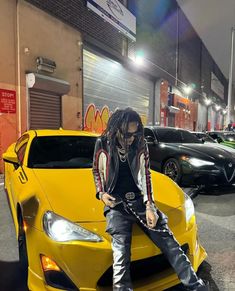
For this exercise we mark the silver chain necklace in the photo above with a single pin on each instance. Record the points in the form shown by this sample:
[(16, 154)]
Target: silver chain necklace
[(122, 154)]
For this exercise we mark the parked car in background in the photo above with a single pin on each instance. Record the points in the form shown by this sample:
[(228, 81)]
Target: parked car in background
[(226, 138), (60, 225), (180, 155), (204, 137)]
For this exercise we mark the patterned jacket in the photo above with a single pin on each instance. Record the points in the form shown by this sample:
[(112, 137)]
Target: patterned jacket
[(106, 168)]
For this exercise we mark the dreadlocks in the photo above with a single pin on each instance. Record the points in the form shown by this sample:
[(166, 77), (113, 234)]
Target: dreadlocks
[(119, 122)]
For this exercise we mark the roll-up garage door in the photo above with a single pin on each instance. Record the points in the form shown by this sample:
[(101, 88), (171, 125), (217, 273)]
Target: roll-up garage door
[(45, 110), (108, 83), (202, 117)]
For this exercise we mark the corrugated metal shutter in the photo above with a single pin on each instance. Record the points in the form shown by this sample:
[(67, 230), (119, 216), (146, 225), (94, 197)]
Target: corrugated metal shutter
[(44, 110), (202, 117), (107, 82)]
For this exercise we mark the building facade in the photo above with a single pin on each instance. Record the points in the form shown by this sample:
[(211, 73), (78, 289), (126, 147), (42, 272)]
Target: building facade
[(63, 64)]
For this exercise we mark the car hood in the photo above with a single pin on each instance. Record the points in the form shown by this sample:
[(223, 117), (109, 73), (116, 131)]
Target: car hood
[(223, 146), (204, 151), (71, 193)]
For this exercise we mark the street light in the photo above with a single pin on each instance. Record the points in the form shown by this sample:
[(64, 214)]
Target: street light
[(208, 102), (230, 77), (217, 107), (187, 89), (139, 58)]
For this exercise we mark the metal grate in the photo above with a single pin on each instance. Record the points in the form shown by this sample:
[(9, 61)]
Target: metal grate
[(76, 14), (45, 110)]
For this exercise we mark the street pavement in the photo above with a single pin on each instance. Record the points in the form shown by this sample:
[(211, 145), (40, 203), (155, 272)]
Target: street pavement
[(216, 222)]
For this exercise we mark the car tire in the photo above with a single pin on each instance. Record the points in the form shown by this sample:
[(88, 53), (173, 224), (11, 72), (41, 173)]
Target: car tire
[(171, 168), (23, 256)]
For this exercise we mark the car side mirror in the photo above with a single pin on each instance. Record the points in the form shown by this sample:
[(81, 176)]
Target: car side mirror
[(203, 140), (150, 140), (219, 139), (11, 157)]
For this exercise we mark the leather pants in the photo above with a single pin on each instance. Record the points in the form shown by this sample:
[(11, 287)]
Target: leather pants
[(119, 226)]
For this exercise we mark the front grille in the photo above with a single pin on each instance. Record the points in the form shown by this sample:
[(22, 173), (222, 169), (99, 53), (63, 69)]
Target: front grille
[(141, 269), (229, 171)]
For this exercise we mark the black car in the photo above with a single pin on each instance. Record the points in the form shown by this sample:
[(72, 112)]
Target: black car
[(188, 161)]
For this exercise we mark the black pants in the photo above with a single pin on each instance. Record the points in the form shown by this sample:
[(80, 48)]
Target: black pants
[(119, 226)]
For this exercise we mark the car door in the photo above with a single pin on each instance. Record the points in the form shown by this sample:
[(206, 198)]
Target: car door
[(18, 177), (164, 147)]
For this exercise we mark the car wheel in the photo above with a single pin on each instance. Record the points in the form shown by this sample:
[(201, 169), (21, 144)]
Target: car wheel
[(171, 168), (23, 256)]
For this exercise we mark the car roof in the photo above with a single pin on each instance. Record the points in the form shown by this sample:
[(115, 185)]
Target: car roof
[(220, 131), (60, 132), (201, 132), (165, 127)]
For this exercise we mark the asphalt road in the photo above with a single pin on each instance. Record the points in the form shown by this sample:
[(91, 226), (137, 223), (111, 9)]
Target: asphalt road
[(216, 222)]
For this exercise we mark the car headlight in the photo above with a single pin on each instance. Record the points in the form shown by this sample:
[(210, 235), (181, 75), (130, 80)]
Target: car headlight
[(189, 208), (61, 229), (197, 162)]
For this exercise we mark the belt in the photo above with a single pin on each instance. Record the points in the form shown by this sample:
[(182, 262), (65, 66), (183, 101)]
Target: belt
[(132, 195)]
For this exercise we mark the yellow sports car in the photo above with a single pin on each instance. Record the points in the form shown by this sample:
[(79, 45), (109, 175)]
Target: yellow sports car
[(60, 224)]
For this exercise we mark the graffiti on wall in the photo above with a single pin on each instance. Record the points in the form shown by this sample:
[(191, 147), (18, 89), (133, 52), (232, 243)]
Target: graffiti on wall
[(95, 120)]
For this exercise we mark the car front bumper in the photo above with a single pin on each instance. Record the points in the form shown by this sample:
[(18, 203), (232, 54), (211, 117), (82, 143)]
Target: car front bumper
[(199, 176), (85, 262)]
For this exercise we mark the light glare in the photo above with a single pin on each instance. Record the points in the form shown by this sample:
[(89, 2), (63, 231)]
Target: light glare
[(208, 101), (187, 89), (139, 60)]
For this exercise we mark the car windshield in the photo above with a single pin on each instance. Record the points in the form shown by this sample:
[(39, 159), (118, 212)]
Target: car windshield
[(171, 135), (61, 152), (228, 136)]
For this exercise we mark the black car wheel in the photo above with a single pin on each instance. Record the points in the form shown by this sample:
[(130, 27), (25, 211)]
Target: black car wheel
[(171, 168), (23, 256)]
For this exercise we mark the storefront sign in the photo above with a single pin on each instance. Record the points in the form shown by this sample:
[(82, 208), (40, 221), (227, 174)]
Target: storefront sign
[(116, 14), (7, 101)]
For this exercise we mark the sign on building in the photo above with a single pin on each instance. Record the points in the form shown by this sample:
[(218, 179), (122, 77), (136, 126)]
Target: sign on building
[(217, 86), (116, 14), (7, 101)]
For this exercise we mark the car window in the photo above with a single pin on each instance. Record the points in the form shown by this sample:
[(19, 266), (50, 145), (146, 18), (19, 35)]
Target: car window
[(168, 135), (20, 147), (61, 152), (213, 135), (21, 153), (207, 138), (148, 132), (188, 137)]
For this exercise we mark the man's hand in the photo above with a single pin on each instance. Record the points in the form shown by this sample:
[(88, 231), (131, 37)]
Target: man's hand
[(151, 218), (108, 200)]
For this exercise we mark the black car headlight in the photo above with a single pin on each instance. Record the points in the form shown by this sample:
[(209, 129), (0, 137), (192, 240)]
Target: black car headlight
[(197, 162), (61, 229)]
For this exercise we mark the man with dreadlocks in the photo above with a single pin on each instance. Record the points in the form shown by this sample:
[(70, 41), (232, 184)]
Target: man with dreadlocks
[(123, 184)]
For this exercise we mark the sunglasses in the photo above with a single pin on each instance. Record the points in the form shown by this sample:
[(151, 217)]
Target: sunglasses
[(130, 134)]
